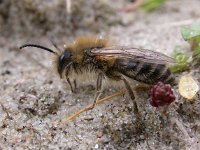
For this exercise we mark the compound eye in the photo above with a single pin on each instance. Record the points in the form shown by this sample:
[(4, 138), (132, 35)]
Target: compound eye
[(63, 62), (61, 59), (65, 57)]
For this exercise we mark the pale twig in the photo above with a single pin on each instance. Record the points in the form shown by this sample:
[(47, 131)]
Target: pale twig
[(64, 121), (68, 6)]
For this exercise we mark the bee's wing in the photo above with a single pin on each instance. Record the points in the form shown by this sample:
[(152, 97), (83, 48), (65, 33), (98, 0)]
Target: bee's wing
[(133, 53)]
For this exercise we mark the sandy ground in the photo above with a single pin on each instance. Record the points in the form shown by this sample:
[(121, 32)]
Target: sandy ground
[(34, 100)]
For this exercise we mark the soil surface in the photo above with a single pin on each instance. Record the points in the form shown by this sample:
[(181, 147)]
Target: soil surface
[(34, 100)]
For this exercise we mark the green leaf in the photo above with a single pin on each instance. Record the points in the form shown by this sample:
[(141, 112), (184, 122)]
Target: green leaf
[(192, 35), (181, 60), (179, 68), (150, 5), (191, 32)]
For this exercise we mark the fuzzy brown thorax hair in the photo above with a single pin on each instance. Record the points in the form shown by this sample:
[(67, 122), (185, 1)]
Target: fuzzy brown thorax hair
[(85, 43), (75, 53)]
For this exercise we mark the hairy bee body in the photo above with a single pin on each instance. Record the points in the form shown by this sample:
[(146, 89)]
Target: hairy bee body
[(93, 56), (90, 57)]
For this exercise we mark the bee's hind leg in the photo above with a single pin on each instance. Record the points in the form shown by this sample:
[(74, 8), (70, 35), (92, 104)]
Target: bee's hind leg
[(131, 94), (138, 122), (136, 110)]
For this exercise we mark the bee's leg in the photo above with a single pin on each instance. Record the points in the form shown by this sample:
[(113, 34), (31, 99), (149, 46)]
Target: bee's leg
[(142, 87), (70, 84), (75, 85), (98, 89), (131, 94)]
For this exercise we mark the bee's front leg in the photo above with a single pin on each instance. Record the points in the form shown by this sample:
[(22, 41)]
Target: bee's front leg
[(73, 89), (75, 85)]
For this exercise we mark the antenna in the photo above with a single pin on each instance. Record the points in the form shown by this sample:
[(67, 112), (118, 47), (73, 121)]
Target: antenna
[(37, 46)]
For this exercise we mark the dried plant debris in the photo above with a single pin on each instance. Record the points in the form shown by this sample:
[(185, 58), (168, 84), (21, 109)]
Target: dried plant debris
[(188, 87)]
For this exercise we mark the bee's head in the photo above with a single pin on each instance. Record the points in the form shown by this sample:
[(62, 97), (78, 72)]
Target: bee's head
[(64, 62), (63, 59)]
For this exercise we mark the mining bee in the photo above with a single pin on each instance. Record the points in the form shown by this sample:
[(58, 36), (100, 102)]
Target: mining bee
[(94, 58)]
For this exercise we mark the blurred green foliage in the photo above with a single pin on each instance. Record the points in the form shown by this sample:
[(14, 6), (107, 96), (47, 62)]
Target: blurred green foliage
[(150, 5), (181, 58), (191, 32), (192, 35)]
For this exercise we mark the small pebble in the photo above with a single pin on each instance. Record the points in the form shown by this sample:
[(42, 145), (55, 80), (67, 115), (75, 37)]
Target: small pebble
[(96, 146)]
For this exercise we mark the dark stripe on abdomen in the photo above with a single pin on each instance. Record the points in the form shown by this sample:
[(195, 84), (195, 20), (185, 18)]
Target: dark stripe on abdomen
[(149, 73), (167, 77), (144, 69), (156, 73)]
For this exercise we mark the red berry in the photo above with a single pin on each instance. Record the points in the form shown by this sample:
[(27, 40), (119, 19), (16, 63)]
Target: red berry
[(161, 95)]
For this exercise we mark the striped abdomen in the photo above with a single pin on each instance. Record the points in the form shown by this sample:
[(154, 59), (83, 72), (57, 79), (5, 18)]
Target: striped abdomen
[(145, 72)]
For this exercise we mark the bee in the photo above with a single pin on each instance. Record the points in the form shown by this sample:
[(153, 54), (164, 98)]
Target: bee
[(91, 55)]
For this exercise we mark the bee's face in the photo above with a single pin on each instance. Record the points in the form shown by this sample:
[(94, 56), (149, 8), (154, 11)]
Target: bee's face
[(64, 62)]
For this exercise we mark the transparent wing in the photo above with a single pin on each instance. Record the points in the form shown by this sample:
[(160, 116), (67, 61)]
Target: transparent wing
[(133, 53)]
